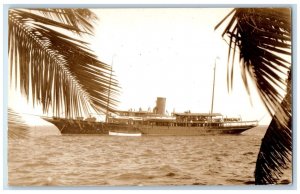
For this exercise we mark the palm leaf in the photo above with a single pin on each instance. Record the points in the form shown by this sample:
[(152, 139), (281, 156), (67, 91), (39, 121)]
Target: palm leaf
[(17, 128), (58, 71), (79, 20), (276, 148), (263, 37)]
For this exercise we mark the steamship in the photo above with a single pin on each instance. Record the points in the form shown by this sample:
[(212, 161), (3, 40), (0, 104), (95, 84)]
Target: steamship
[(155, 122)]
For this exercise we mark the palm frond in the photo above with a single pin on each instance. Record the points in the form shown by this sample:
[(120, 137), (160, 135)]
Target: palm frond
[(17, 128), (263, 37), (59, 71), (79, 20), (276, 148)]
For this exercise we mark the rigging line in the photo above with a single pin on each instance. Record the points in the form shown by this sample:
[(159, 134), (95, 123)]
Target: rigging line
[(262, 117), (30, 114)]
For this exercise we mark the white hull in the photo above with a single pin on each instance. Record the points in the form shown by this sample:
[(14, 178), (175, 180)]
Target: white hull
[(124, 134)]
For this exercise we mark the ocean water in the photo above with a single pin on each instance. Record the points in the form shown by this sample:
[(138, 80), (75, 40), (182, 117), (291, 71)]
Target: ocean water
[(94, 160)]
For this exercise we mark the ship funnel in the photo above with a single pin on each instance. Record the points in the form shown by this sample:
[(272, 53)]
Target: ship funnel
[(160, 105)]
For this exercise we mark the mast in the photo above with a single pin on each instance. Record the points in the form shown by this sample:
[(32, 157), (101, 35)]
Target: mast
[(213, 93), (108, 95)]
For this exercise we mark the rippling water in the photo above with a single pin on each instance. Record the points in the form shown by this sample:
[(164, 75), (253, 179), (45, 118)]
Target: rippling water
[(85, 160)]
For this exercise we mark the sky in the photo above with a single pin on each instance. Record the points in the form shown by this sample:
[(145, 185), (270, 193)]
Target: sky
[(171, 53)]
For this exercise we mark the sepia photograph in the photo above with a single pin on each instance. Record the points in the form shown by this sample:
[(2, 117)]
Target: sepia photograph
[(142, 97)]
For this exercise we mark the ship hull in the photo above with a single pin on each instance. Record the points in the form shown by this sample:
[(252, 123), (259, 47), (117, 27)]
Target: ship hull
[(85, 127), (192, 131), (67, 126)]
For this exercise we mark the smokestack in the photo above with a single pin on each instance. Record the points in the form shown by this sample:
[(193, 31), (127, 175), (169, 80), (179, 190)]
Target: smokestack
[(160, 105)]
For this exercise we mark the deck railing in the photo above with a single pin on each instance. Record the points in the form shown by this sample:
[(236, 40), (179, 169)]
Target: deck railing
[(240, 123)]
